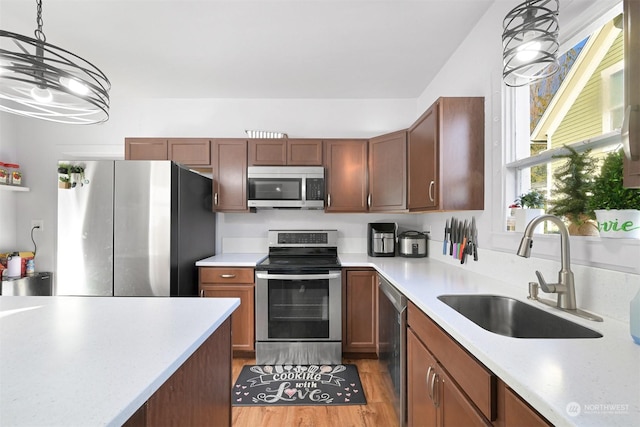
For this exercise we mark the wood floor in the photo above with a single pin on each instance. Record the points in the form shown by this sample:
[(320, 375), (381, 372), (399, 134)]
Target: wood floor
[(378, 411)]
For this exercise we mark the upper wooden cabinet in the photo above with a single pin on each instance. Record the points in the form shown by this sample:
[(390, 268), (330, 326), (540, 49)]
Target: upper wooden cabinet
[(146, 149), (346, 180), (446, 156), (187, 151), (190, 151), (632, 88), (229, 163), (388, 172), (281, 152)]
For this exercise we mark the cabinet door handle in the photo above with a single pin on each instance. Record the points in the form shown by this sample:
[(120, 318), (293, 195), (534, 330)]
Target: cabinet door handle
[(431, 185), (227, 276), (434, 390), (328, 200), (215, 199), (201, 293), (369, 200), (630, 151), (429, 386)]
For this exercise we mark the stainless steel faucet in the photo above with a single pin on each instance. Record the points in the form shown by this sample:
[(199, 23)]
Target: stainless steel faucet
[(565, 288)]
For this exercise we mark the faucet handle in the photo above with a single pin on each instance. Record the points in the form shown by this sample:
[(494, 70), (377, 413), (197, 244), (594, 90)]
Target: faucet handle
[(546, 287)]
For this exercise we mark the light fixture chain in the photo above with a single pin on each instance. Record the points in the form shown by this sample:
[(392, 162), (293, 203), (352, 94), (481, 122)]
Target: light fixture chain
[(38, 32)]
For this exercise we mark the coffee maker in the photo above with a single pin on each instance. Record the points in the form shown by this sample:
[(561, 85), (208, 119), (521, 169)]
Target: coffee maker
[(382, 239)]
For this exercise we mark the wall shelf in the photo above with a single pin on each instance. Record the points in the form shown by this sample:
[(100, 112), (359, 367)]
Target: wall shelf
[(13, 188)]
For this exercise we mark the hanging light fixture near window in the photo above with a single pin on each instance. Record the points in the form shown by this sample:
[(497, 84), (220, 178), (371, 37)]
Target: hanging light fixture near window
[(43, 81), (530, 42)]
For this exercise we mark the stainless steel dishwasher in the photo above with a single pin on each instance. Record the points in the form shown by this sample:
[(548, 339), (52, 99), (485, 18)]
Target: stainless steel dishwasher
[(392, 336)]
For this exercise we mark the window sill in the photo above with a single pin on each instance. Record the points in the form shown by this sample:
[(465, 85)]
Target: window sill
[(611, 254)]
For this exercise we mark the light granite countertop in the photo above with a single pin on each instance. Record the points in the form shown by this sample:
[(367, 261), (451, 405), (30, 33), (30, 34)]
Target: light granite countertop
[(93, 361), (572, 382)]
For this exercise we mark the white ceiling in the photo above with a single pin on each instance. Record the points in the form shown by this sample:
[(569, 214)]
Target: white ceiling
[(256, 49)]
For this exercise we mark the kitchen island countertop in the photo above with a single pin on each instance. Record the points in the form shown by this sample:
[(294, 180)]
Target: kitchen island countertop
[(95, 360), (572, 382)]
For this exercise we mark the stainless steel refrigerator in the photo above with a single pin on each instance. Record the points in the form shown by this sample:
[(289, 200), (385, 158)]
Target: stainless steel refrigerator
[(133, 228)]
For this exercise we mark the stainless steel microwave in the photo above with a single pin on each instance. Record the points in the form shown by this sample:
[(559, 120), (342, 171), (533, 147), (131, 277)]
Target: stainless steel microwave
[(295, 187)]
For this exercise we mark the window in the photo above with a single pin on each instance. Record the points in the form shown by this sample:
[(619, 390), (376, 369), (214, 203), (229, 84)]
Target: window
[(612, 97), (580, 106)]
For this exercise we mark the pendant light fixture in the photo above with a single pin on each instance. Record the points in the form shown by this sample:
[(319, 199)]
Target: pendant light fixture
[(530, 42), (43, 81)]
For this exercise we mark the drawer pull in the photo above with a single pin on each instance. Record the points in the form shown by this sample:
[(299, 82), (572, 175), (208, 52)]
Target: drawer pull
[(227, 276), (201, 293)]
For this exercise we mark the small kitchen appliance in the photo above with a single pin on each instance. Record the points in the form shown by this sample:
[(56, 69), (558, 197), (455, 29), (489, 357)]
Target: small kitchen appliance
[(381, 239), (285, 187), (299, 299), (412, 244)]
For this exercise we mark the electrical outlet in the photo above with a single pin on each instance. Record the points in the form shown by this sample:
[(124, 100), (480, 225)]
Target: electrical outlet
[(37, 223)]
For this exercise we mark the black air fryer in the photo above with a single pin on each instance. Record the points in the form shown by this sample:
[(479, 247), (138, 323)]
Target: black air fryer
[(382, 239)]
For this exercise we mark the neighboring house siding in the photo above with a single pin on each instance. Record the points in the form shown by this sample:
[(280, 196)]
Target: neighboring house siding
[(584, 119)]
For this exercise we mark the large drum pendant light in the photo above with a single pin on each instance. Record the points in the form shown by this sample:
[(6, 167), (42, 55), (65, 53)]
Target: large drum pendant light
[(43, 81), (530, 42)]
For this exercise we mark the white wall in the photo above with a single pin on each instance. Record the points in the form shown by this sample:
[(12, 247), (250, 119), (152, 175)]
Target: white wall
[(39, 144), (8, 199)]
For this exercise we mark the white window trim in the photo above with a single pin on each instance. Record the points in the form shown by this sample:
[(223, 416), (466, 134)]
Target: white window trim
[(605, 76), (611, 254)]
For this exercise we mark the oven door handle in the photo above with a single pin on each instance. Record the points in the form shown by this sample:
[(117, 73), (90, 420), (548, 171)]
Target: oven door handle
[(333, 275)]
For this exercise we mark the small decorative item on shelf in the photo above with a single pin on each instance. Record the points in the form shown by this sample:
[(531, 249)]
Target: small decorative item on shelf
[(617, 208), (532, 205), (15, 176), (4, 174)]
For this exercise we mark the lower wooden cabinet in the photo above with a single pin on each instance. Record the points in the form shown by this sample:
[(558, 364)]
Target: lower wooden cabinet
[(446, 385), (198, 393), (233, 282), (360, 312), (434, 399), (514, 411)]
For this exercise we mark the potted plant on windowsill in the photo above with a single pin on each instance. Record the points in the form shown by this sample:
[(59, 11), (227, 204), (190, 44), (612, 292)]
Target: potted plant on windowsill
[(574, 187), (532, 205), (617, 208)]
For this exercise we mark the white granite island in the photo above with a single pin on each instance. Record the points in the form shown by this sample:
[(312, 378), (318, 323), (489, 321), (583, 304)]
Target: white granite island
[(96, 361)]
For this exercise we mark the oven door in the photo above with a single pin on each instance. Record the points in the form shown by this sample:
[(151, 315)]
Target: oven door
[(298, 307)]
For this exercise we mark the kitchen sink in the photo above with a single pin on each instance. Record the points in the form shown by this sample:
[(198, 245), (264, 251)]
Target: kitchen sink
[(513, 318)]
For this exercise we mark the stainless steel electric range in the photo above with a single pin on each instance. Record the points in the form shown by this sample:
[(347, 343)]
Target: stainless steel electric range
[(299, 299)]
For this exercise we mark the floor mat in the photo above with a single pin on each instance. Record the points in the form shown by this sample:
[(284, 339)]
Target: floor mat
[(298, 385)]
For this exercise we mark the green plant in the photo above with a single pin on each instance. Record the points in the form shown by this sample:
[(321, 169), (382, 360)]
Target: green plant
[(532, 200), (608, 192), (573, 186), (64, 178)]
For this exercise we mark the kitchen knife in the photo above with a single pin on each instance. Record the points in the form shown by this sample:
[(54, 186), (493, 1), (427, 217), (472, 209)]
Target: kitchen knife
[(463, 240), (451, 234), (474, 236), (444, 243)]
